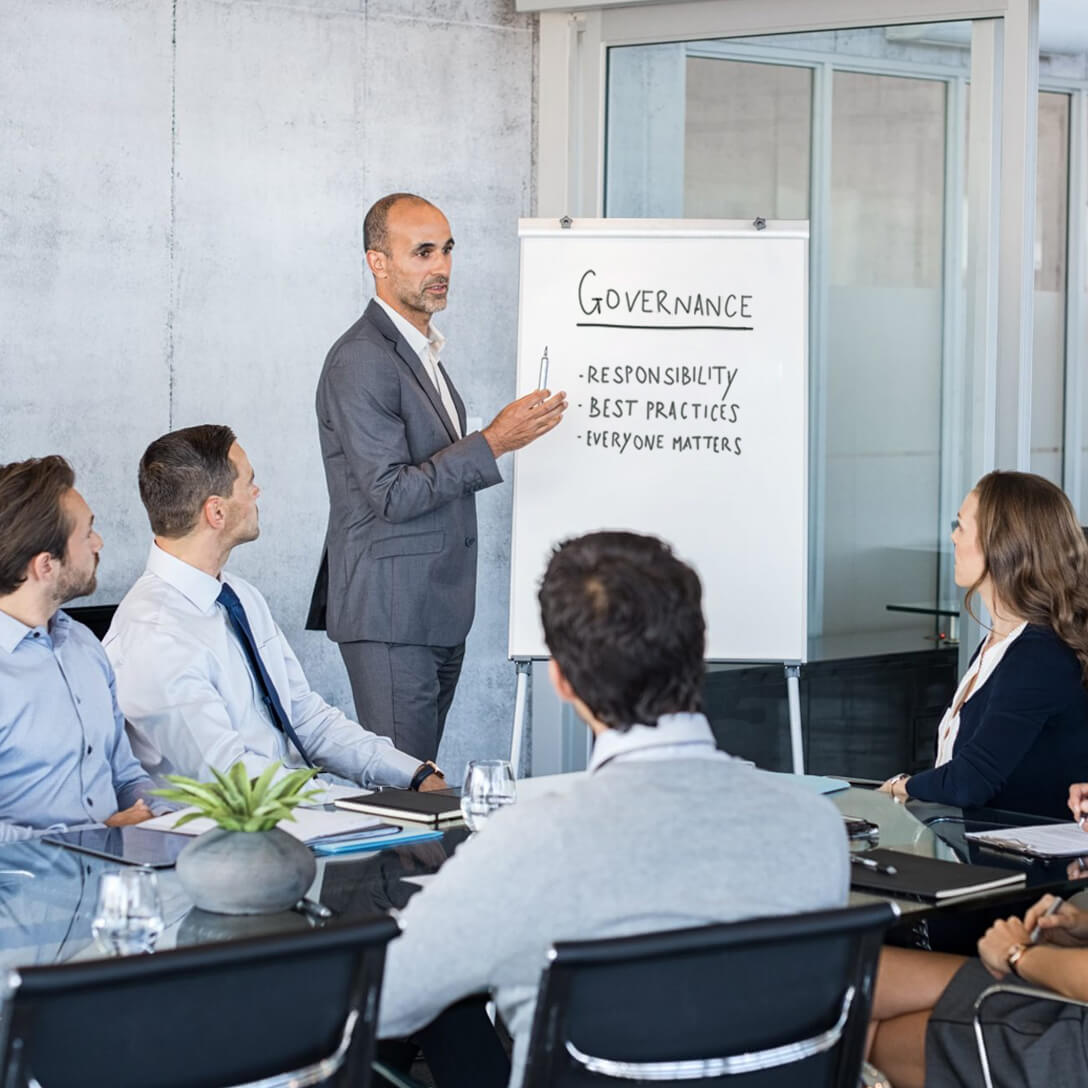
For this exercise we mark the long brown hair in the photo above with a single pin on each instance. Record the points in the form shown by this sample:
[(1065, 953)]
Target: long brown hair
[(1035, 553)]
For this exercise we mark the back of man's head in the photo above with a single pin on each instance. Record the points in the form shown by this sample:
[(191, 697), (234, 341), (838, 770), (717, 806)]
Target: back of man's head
[(180, 471), (32, 518), (623, 620)]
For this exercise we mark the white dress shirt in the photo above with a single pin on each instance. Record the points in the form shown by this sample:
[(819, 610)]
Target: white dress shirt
[(190, 697), (429, 350), (986, 660)]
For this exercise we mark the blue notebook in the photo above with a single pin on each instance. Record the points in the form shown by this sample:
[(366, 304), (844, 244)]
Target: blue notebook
[(355, 844)]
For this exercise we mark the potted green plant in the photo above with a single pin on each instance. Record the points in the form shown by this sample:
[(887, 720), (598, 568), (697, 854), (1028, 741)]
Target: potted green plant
[(245, 864)]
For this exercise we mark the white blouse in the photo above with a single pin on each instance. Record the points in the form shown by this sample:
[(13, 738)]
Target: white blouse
[(985, 662)]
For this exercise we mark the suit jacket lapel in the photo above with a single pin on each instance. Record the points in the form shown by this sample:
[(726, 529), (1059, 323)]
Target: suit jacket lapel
[(458, 403), (404, 350)]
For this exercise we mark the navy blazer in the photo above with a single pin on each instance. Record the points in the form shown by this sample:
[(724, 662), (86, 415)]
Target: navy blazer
[(1023, 735)]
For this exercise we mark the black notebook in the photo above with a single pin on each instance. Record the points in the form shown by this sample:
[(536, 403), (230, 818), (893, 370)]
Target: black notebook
[(929, 878), (434, 809)]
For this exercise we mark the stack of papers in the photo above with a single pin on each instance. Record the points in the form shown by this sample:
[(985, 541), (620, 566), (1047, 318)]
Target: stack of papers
[(1037, 841)]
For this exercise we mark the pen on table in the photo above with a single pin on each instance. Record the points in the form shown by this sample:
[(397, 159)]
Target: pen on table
[(875, 866), (1037, 930)]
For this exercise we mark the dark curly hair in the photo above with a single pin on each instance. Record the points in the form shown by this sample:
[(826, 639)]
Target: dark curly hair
[(623, 619)]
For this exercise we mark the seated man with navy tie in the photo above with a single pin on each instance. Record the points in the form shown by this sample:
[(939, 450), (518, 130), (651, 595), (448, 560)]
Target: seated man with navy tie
[(205, 677), (64, 756)]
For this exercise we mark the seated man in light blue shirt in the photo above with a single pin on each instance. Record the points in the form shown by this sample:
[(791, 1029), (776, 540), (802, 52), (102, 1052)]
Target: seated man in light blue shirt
[(64, 755), (204, 675)]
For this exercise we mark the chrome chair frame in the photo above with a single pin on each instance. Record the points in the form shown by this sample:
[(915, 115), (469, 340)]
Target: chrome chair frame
[(1008, 988)]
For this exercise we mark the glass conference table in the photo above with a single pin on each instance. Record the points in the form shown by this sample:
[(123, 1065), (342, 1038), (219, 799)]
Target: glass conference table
[(48, 893)]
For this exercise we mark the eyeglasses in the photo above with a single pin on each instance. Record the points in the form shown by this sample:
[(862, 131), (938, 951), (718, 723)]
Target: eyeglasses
[(956, 524)]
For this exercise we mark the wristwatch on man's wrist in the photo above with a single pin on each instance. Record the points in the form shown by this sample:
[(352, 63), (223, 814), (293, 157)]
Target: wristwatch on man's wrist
[(423, 773), (1016, 953)]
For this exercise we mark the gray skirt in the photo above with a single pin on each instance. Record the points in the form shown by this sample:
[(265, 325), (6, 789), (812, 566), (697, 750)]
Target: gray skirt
[(1031, 1043)]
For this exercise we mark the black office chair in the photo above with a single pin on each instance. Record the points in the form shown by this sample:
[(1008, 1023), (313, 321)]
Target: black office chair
[(770, 1002), (296, 1009), (97, 617)]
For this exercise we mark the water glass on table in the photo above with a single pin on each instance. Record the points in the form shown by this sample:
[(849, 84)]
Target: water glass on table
[(489, 784), (128, 918)]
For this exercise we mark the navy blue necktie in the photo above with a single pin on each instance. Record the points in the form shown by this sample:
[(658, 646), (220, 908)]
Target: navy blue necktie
[(238, 621)]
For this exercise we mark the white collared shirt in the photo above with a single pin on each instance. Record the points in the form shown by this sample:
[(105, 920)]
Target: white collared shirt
[(429, 350), (986, 660), (190, 697), (676, 736)]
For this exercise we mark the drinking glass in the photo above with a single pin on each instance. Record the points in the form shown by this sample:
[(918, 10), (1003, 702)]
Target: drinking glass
[(489, 784), (128, 918)]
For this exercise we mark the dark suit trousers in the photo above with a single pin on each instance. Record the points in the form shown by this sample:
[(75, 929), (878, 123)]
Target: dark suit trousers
[(403, 691)]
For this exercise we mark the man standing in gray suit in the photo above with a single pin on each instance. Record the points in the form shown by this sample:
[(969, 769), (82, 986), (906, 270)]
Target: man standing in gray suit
[(397, 584)]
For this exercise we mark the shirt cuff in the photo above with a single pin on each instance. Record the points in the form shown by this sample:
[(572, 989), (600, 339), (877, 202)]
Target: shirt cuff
[(392, 768)]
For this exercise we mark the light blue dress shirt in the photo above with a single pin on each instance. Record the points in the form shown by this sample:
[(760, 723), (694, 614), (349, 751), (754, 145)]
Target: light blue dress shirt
[(64, 755)]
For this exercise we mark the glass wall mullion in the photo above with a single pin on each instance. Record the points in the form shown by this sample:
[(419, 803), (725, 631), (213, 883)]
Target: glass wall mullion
[(1074, 469), (954, 378), (819, 293)]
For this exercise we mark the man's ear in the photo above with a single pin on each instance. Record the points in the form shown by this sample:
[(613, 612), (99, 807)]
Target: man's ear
[(375, 260), (213, 512), (560, 682), (42, 567)]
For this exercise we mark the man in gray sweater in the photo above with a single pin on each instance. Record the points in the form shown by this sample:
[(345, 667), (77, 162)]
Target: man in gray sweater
[(663, 831)]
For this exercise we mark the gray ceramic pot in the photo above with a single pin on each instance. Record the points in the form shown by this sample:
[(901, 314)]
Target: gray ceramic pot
[(246, 872)]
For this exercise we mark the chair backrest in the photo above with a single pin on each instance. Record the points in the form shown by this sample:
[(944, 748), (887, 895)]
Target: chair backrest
[(203, 1017), (697, 1006), (97, 617)]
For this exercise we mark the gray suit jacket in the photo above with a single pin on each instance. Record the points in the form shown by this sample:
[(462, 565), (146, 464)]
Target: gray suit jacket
[(400, 550)]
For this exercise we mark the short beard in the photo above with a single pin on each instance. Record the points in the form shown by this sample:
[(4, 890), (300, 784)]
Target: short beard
[(421, 302), (69, 588)]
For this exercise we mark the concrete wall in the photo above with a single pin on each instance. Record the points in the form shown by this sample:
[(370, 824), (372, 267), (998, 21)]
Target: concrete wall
[(181, 196)]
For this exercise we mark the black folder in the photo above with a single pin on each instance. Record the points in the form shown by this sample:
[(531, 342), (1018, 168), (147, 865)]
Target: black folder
[(917, 877)]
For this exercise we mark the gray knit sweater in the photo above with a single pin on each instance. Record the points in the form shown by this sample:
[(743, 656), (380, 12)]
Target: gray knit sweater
[(634, 847)]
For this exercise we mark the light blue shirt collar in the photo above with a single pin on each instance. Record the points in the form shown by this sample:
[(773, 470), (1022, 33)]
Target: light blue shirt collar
[(13, 631), (676, 736), (196, 585)]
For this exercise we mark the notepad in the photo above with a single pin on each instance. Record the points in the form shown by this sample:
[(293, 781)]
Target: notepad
[(929, 878), (1037, 841), (434, 809)]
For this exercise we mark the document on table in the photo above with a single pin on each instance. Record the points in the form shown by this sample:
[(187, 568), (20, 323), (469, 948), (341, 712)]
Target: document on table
[(817, 783), (1038, 841), (310, 824)]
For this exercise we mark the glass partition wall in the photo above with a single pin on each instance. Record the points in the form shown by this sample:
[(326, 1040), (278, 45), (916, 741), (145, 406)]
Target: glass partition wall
[(865, 133), (918, 380), (809, 127)]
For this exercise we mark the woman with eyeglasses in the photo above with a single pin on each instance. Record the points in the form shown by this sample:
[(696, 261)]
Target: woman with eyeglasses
[(1016, 731)]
